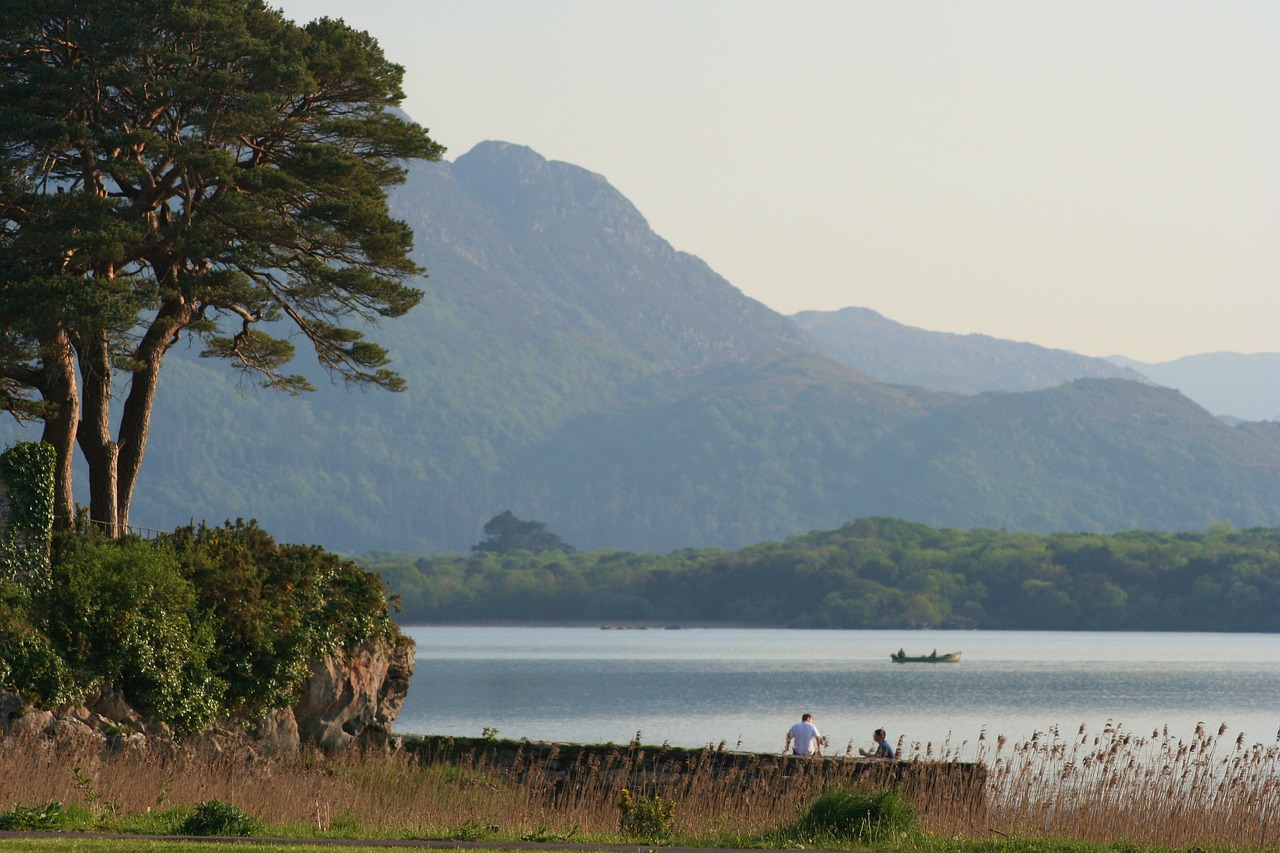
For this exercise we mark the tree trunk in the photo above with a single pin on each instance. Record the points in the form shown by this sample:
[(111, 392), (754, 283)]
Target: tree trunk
[(100, 451), (59, 388), (135, 423)]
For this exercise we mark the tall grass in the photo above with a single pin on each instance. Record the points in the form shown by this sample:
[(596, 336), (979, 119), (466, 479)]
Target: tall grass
[(1112, 786), (1208, 788)]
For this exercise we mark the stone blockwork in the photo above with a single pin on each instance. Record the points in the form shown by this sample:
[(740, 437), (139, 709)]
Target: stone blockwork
[(654, 769)]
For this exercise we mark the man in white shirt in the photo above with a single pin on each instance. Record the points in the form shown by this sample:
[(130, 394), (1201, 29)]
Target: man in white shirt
[(803, 738)]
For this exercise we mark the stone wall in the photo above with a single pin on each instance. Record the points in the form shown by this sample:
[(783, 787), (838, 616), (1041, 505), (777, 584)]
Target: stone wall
[(661, 770)]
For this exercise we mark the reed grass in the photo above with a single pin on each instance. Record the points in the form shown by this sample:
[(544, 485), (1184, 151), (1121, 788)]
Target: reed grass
[(1207, 790)]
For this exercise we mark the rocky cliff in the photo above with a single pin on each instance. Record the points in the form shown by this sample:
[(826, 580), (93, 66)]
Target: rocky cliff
[(349, 699)]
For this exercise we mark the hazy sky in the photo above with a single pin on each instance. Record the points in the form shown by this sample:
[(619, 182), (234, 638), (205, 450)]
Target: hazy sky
[(1098, 176)]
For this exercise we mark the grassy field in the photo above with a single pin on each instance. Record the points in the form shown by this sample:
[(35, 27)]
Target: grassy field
[(1111, 791)]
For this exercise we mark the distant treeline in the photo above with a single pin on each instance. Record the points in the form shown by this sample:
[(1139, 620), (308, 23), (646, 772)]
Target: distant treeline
[(872, 573)]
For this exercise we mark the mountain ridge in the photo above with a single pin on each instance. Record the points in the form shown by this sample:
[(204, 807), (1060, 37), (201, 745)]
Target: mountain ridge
[(892, 352), (568, 364)]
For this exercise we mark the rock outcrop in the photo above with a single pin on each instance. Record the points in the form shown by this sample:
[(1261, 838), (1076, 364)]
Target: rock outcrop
[(356, 697), (350, 699)]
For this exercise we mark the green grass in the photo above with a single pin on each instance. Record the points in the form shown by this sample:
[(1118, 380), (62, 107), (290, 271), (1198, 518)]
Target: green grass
[(129, 845)]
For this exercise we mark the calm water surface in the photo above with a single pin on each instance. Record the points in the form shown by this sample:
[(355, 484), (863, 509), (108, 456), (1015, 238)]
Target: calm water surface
[(696, 686)]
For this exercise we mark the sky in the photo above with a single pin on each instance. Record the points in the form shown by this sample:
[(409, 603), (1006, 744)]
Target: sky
[(1102, 177)]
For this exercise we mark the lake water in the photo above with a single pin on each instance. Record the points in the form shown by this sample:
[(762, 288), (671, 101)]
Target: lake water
[(698, 686)]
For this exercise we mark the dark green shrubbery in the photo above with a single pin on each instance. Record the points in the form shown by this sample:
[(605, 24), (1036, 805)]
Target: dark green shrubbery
[(864, 816), (195, 624), (46, 817), (27, 658), (123, 616), (214, 817), (276, 607)]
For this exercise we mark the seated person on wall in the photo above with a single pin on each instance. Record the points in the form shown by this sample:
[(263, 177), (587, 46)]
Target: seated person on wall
[(803, 738), (882, 750)]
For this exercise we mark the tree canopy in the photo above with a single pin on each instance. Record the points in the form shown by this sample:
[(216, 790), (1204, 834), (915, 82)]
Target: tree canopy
[(504, 532), (874, 573), (188, 168)]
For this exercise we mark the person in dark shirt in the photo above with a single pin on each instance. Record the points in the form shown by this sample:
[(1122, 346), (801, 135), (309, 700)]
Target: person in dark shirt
[(882, 750)]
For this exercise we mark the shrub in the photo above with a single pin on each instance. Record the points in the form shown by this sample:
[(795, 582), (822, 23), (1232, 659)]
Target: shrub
[(46, 817), (277, 608), (859, 815), (198, 623), (122, 614), (645, 817), (28, 469), (29, 663), (214, 817)]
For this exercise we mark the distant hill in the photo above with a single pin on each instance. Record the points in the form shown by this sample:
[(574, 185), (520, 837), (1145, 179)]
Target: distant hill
[(569, 365), (942, 361), (802, 443), (1090, 455), (1238, 385)]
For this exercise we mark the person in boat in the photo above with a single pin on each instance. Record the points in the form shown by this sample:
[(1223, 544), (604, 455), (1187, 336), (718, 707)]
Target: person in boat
[(882, 748), (804, 738)]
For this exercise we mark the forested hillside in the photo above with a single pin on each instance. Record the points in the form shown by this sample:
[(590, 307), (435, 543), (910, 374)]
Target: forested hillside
[(570, 365), (942, 361), (1232, 384), (872, 573)]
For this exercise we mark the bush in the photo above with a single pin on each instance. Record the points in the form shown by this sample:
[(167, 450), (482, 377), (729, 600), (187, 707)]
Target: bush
[(858, 815), (30, 664), (198, 623), (122, 615), (645, 817), (214, 817), (46, 817), (277, 608)]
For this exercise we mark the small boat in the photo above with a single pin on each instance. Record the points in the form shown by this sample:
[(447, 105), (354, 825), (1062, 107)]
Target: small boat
[(902, 657)]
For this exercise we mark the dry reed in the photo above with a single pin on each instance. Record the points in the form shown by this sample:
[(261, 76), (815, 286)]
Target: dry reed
[(1113, 786)]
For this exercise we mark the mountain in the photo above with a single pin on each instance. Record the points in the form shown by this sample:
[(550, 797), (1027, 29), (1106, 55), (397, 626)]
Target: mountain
[(1229, 384), (548, 294), (571, 366), (757, 451), (1089, 455), (942, 361)]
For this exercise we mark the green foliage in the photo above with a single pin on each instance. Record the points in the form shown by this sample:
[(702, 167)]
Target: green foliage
[(840, 813), (276, 608), (122, 613), (27, 468), (49, 816), (470, 829), (207, 170), (505, 532), (214, 817), (101, 809), (542, 835), (650, 818), (198, 623), (29, 662), (874, 573)]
